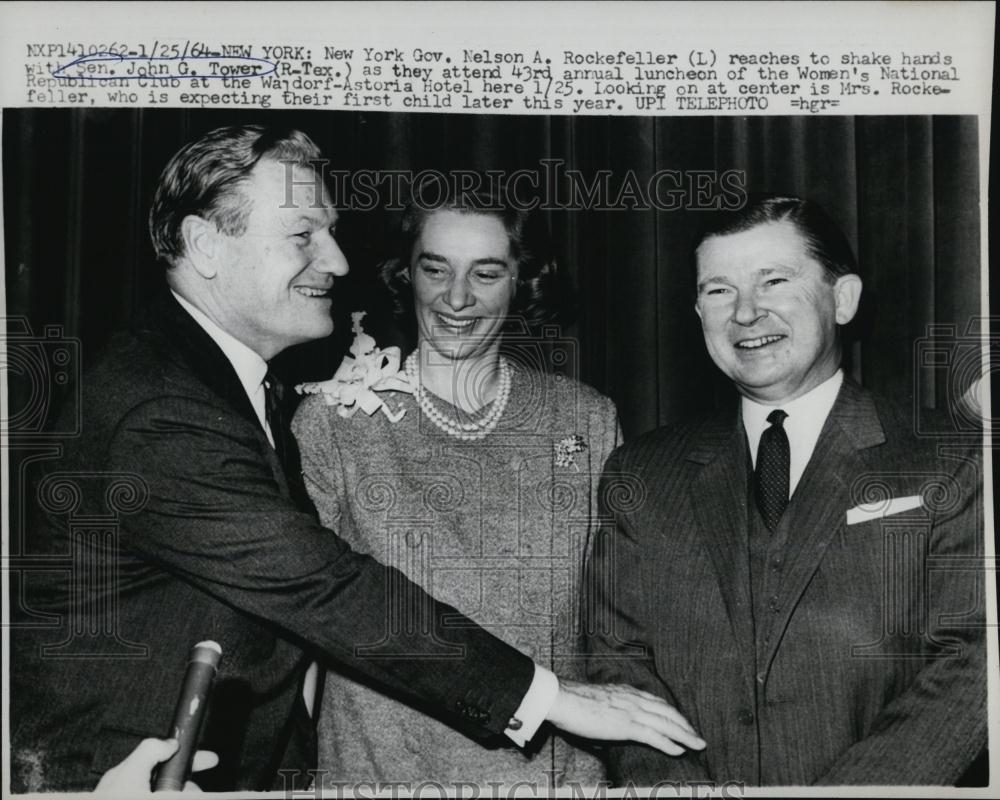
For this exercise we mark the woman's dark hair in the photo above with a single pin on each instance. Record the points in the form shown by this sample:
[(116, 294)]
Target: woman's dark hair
[(541, 295)]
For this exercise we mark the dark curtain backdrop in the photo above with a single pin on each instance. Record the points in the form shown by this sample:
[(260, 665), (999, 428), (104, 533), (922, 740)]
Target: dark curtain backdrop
[(77, 185)]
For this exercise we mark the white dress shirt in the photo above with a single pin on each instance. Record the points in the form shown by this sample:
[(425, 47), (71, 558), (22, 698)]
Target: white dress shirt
[(251, 369), (806, 417)]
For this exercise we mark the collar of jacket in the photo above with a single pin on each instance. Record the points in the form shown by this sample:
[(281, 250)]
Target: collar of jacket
[(184, 339), (853, 412)]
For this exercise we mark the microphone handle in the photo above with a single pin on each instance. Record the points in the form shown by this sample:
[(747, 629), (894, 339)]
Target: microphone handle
[(188, 716)]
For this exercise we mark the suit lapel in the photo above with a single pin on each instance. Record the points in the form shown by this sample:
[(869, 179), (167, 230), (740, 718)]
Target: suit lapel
[(818, 509), (199, 352), (209, 365), (719, 498)]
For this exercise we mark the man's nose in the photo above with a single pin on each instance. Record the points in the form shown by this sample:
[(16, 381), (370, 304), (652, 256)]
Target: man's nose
[(459, 296), (747, 310), (329, 257)]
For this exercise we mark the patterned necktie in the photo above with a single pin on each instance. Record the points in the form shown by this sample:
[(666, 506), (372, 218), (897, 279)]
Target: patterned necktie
[(772, 470)]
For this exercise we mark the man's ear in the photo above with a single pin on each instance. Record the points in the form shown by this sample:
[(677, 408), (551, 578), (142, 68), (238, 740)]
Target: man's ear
[(847, 295), (201, 244)]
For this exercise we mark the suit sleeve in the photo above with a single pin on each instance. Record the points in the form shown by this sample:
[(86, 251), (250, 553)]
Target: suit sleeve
[(617, 641), (216, 517), (932, 732)]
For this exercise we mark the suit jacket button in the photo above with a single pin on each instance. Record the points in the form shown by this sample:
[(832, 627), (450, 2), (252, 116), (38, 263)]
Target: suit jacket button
[(773, 604), (745, 717)]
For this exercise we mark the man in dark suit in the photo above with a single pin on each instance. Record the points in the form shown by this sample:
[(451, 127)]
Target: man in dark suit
[(177, 503), (801, 575)]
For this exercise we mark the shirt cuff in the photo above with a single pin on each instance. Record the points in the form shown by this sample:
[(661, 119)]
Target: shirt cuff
[(534, 708)]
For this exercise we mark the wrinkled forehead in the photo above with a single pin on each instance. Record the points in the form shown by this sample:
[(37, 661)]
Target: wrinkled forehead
[(289, 188), (763, 246)]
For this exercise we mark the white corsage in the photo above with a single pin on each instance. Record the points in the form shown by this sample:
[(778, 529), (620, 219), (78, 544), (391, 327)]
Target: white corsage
[(367, 370), (565, 450)]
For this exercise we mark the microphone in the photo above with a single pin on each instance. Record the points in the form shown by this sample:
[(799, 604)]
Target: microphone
[(191, 704)]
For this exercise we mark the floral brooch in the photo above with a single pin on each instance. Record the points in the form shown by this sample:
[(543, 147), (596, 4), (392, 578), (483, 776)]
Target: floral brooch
[(367, 370), (566, 449)]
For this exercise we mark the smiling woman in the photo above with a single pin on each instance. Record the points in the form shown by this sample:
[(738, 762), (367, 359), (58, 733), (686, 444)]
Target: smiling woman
[(464, 280), (483, 491)]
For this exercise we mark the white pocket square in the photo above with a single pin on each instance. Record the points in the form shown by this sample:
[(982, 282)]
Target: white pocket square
[(883, 508)]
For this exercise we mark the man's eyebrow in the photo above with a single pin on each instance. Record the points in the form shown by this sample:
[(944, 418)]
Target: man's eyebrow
[(322, 218), (713, 279), (782, 268), (779, 269)]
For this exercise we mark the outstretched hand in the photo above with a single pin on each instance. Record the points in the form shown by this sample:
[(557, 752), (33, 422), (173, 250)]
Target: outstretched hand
[(622, 713), (132, 776)]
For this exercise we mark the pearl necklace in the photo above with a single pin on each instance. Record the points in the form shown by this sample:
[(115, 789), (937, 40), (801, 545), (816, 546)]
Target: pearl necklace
[(467, 431)]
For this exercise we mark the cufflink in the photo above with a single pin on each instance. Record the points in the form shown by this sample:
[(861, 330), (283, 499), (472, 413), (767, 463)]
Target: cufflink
[(514, 724)]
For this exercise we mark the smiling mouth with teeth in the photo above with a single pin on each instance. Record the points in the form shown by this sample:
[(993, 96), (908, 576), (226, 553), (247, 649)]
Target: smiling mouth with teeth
[(310, 291), (760, 341), (455, 324)]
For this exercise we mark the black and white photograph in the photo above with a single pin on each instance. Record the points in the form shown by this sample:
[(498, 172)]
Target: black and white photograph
[(426, 453)]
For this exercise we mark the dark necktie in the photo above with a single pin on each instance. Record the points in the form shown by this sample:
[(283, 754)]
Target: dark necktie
[(772, 470), (284, 442), (274, 393)]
